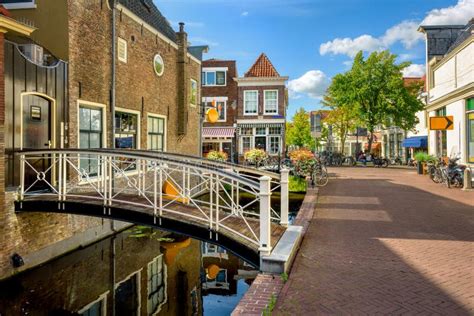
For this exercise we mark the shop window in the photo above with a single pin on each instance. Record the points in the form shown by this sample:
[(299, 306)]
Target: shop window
[(90, 136), (246, 144), (441, 137), (246, 131), (470, 130), (274, 130), (261, 131), (156, 133), (274, 142)]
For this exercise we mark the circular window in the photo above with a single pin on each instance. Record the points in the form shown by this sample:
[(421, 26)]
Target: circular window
[(158, 65)]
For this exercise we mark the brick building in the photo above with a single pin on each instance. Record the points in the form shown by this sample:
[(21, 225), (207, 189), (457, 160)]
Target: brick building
[(219, 89), (64, 78), (261, 109)]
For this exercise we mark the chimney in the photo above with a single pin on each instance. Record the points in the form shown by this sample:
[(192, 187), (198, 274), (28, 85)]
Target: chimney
[(183, 80)]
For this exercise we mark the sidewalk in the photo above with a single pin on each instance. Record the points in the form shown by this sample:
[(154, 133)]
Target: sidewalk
[(384, 241)]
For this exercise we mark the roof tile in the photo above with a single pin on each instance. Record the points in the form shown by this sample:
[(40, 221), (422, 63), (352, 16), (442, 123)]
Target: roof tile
[(262, 68)]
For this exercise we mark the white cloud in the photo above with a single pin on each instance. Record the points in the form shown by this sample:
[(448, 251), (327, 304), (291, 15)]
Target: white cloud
[(459, 13), (245, 13), (405, 32), (313, 83), (350, 47), (202, 41), (414, 70)]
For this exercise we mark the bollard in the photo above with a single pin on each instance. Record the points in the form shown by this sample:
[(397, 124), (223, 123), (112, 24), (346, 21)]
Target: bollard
[(467, 179)]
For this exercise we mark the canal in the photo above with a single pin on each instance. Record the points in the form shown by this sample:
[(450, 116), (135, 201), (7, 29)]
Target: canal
[(139, 271)]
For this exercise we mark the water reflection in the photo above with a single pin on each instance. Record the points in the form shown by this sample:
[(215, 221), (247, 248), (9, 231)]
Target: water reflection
[(137, 272)]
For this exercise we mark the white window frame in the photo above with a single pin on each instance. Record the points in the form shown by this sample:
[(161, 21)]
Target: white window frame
[(165, 282), (265, 102), (269, 137), (102, 107), (245, 103), (215, 71), (139, 123), (252, 143), (197, 92), (165, 140), (23, 5), (123, 42), (216, 99)]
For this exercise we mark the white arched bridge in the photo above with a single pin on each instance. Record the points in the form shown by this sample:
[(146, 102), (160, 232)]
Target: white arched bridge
[(224, 203)]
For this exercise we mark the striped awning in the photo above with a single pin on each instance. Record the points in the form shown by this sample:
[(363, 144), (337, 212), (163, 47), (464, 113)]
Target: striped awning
[(260, 124), (218, 132)]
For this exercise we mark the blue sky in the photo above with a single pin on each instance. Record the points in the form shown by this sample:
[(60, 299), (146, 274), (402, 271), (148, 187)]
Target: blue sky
[(312, 40)]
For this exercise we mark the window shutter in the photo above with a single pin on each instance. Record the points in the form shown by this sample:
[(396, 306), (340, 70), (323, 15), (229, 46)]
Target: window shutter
[(122, 50)]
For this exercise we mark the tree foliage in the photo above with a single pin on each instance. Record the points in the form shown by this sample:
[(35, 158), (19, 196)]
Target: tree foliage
[(298, 131), (375, 89), (342, 118)]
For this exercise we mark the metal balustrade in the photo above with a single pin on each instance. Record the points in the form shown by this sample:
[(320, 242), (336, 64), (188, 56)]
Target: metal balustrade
[(161, 184)]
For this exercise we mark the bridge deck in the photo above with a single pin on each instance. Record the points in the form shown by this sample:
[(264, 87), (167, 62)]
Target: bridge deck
[(140, 214)]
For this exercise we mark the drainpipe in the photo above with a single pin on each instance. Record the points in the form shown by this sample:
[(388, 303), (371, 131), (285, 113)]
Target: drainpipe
[(112, 105), (112, 90)]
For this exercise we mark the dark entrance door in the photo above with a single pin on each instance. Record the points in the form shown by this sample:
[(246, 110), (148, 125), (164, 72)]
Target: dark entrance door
[(37, 134), (227, 148), (261, 142)]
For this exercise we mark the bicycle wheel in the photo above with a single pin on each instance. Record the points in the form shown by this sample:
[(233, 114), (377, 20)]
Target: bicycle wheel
[(446, 179)]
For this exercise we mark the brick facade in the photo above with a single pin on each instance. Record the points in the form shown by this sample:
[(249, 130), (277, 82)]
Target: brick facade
[(229, 90), (40, 237), (261, 114)]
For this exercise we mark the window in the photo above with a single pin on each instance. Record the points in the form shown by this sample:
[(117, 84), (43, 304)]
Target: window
[(18, 4), (194, 93), (214, 78), (441, 137), (96, 309), (246, 144), (274, 130), (90, 136), (126, 130), (260, 131), (122, 49), (158, 65), (246, 131), (156, 285), (399, 144), (470, 130), (274, 145), (127, 296), (221, 107), (156, 133), (250, 102), (271, 101)]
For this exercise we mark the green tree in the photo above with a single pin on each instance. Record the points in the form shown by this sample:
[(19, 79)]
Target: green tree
[(342, 117), (374, 86), (298, 131)]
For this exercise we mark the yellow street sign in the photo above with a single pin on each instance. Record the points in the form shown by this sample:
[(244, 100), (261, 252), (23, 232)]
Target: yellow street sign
[(441, 123)]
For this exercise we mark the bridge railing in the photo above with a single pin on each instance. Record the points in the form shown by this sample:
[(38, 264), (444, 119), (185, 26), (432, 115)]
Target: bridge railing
[(231, 198)]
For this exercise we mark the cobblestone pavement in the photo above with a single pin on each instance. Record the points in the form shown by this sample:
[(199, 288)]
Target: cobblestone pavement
[(384, 241)]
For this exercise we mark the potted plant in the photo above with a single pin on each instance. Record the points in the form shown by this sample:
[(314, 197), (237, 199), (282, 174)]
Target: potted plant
[(421, 158), (304, 162), (255, 156), (217, 156)]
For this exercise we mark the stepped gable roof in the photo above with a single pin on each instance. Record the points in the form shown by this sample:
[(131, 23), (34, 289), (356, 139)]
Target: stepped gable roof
[(148, 12), (262, 68)]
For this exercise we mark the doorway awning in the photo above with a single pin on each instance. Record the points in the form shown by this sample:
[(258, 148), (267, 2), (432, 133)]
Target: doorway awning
[(416, 142), (218, 132)]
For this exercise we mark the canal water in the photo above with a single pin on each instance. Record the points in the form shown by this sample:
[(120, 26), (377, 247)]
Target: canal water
[(137, 272), (140, 271)]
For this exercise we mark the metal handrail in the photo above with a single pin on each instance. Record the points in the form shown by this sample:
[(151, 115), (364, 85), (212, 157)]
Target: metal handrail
[(142, 154)]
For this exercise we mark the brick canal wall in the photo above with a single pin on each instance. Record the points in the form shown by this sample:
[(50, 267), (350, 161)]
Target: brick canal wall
[(266, 287)]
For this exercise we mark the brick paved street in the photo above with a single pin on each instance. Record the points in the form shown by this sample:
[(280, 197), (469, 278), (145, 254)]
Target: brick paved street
[(385, 241)]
